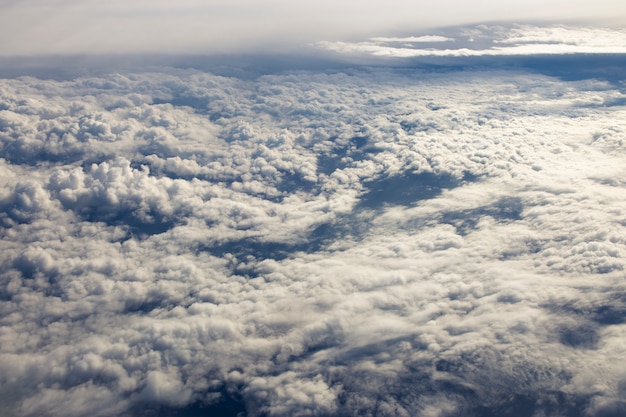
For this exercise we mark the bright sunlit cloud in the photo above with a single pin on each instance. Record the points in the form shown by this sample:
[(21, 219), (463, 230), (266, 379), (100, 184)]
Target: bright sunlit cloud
[(491, 41)]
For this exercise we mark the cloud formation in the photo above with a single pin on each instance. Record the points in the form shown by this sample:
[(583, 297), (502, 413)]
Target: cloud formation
[(373, 241), (37, 27), (519, 40)]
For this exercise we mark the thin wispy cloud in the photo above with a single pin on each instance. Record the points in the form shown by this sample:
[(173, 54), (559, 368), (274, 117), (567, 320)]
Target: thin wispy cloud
[(492, 41)]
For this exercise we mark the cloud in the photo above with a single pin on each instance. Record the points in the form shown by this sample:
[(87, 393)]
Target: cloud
[(365, 241), (517, 40), (73, 27)]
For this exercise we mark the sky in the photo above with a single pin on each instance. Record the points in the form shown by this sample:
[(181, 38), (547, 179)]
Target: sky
[(193, 26)]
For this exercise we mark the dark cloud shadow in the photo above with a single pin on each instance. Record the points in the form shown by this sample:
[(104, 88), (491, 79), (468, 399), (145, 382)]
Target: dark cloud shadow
[(550, 403), (135, 225), (406, 393), (580, 335), (329, 162), (405, 189), (505, 209), (575, 67), (33, 154), (609, 314), (408, 188), (230, 404), (246, 253), (610, 311), (614, 409), (567, 67)]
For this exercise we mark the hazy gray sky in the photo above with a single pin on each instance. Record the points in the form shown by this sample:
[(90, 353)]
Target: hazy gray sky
[(76, 26)]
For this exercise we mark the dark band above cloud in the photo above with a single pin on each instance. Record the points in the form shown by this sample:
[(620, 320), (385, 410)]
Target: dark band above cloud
[(485, 41)]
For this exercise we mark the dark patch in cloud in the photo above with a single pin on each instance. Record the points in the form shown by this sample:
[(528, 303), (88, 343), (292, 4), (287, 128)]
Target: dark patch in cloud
[(35, 262), (30, 154), (344, 227), (373, 395), (579, 335), (368, 394), (229, 404), (576, 67), (258, 249), (327, 163), (610, 314), (614, 409), (292, 182), (551, 403), (405, 189), (609, 310), (136, 226), (505, 209)]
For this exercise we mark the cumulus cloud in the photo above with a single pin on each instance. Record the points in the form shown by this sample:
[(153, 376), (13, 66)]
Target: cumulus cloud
[(373, 241)]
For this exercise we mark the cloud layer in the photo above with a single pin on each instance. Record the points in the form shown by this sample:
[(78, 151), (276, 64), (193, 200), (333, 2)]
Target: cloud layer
[(519, 40), (36, 27), (374, 241)]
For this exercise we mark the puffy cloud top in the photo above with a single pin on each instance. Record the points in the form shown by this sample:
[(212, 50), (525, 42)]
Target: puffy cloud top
[(363, 241)]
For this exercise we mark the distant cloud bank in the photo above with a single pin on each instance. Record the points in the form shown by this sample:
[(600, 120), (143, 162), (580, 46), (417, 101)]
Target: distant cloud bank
[(490, 41)]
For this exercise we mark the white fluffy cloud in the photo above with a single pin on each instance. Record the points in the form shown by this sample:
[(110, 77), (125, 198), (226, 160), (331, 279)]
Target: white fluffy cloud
[(519, 40), (366, 242)]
